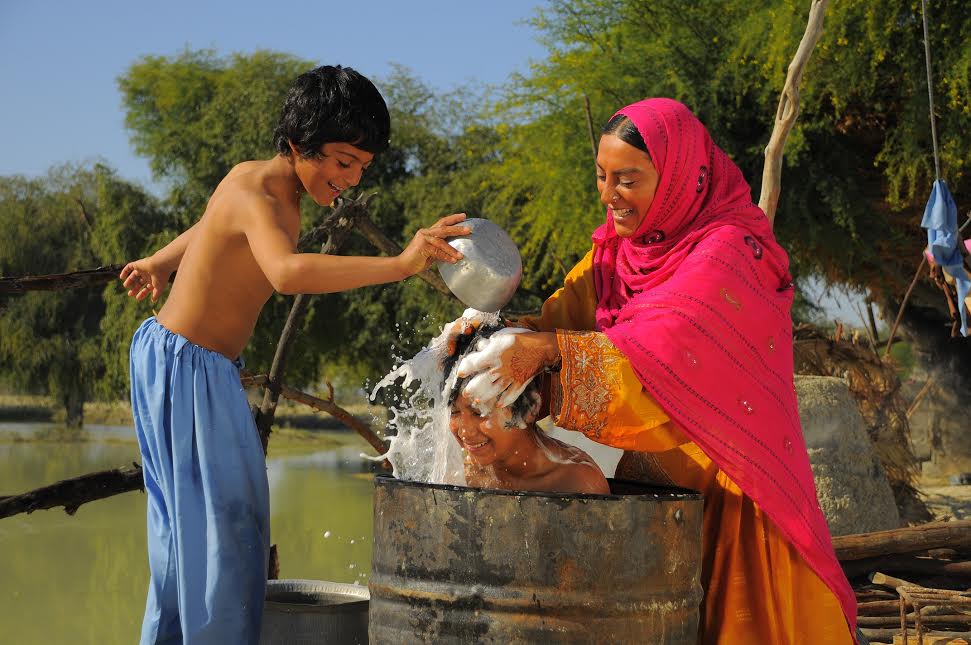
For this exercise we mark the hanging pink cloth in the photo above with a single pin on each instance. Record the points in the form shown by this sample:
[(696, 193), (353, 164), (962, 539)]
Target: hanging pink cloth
[(698, 300)]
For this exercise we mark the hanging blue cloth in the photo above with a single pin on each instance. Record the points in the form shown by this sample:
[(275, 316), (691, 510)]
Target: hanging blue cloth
[(941, 222)]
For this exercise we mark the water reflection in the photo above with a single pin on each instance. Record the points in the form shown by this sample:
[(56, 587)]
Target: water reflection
[(82, 579)]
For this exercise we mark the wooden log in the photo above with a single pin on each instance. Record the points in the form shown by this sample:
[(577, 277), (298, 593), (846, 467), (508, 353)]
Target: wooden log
[(959, 620), (878, 578), (60, 281), (880, 635), (933, 638), (907, 564), (914, 539), (72, 493), (879, 608)]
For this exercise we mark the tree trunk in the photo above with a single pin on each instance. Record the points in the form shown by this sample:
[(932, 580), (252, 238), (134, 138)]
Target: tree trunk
[(73, 401)]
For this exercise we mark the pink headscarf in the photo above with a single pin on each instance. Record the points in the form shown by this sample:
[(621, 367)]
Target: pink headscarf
[(698, 300)]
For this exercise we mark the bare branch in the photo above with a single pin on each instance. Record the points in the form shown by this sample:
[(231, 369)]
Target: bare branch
[(324, 405), (72, 493), (339, 223), (60, 281), (369, 231), (788, 110)]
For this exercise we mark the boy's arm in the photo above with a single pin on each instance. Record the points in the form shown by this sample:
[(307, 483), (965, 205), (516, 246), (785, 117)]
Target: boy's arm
[(151, 275), (290, 272)]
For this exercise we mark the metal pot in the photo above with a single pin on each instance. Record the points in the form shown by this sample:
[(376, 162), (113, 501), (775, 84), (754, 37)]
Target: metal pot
[(306, 612), (489, 274)]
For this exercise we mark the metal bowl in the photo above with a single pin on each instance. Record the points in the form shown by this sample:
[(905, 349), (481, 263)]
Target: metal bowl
[(489, 274)]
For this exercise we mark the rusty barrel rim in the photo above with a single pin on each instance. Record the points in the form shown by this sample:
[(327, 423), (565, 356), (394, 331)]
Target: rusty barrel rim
[(632, 489)]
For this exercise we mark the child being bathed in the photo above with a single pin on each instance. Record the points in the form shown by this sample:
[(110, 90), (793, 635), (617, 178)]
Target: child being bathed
[(504, 448)]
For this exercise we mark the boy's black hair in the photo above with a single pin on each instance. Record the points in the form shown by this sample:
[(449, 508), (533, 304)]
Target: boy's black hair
[(624, 129), (463, 344), (332, 104)]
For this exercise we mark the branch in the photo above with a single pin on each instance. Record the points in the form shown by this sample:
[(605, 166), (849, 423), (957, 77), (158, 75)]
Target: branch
[(903, 304), (369, 231), (324, 405), (60, 281), (339, 223), (105, 274), (788, 110), (593, 138), (72, 493)]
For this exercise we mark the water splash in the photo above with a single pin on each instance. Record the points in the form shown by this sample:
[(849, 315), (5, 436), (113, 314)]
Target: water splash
[(422, 448)]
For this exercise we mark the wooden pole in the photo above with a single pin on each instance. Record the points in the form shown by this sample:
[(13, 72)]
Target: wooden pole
[(788, 110)]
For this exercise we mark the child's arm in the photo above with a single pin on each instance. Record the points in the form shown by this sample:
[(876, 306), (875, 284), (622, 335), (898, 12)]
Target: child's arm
[(151, 275), (290, 272)]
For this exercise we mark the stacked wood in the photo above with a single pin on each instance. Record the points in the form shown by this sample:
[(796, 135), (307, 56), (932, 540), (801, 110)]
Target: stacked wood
[(927, 567)]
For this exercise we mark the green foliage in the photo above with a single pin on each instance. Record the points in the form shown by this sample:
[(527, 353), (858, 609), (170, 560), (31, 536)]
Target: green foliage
[(196, 115), (75, 218), (858, 162)]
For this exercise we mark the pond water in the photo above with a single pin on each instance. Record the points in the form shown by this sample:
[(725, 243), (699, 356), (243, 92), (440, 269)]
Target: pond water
[(82, 579)]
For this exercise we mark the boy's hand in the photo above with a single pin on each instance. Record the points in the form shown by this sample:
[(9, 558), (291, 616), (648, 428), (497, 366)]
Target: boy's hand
[(429, 245), (144, 277)]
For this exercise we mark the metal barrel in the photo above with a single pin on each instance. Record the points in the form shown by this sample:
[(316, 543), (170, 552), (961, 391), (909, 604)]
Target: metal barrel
[(463, 565)]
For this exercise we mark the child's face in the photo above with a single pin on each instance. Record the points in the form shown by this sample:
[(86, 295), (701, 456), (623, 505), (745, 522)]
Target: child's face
[(487, 439), (338, 167)]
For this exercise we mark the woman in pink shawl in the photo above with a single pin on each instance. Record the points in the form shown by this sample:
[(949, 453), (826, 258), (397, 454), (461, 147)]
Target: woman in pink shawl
[(673, 340)]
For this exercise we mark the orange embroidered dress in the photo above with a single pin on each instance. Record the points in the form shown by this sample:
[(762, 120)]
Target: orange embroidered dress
[(758, 590)]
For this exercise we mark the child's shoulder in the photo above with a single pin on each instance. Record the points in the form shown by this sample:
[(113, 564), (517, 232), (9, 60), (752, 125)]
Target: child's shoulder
[(576, 471), (584, 477), (245, 187)]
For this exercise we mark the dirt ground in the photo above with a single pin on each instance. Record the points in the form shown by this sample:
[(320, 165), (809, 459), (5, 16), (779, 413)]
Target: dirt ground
[(946, 501)]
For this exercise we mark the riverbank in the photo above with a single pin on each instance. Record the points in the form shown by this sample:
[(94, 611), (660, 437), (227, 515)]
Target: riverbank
[(298, 429)]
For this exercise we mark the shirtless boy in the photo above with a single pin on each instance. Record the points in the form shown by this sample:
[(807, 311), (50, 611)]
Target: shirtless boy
[(205, 475), (503, 446)]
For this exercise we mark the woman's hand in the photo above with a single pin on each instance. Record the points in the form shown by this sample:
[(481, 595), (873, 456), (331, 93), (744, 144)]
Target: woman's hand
[(144, 277), (429, 245), (508, 362)]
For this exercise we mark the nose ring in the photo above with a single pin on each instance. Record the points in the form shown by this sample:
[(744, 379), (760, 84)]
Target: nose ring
[(615, 198)]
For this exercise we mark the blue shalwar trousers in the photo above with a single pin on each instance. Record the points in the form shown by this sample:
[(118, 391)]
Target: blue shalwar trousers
[(208, 497)]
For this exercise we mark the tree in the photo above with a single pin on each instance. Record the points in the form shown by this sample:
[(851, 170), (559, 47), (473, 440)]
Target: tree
[(52, 342), (858, 164)]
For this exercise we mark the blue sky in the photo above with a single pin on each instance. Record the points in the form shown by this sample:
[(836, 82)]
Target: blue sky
[(59, 61)]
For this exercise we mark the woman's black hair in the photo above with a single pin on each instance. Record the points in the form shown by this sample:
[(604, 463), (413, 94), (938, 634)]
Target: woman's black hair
[(464, 343), (624, 129), (332, 104)]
